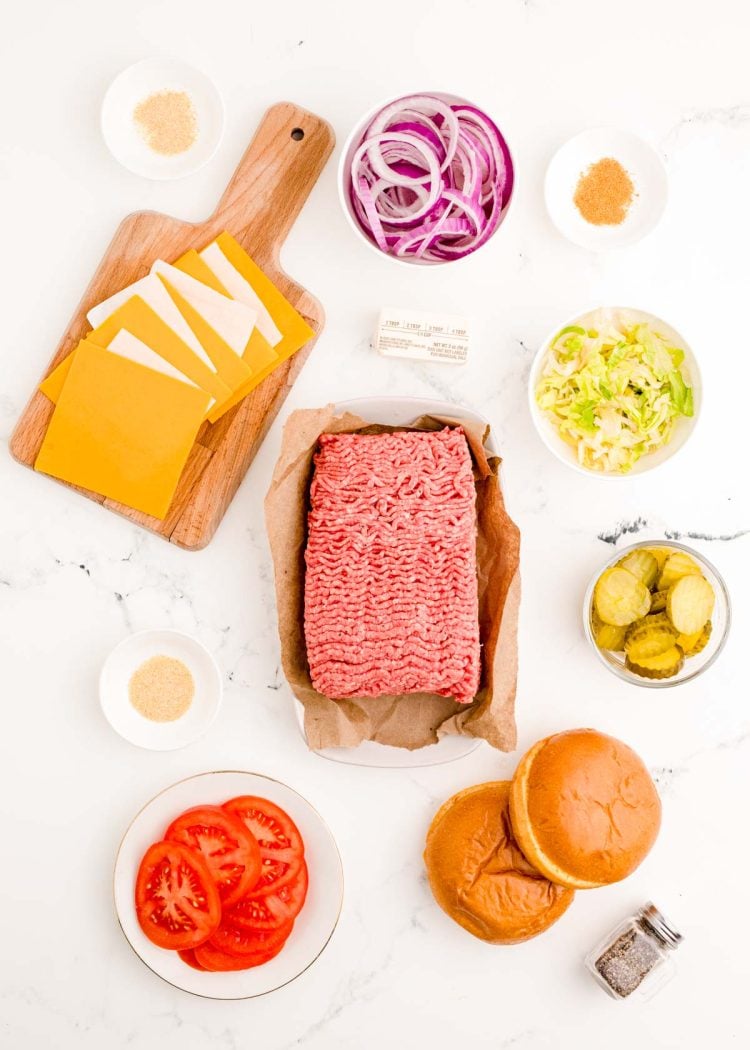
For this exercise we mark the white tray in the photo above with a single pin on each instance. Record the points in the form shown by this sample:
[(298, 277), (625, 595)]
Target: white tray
[(400, 411)]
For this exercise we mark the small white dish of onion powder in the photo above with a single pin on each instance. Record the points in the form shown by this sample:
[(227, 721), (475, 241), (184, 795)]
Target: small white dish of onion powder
[(160, 689), (162, 119), (426, 178)]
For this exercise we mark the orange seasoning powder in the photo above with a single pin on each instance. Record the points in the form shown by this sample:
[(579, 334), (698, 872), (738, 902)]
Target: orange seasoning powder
[(604, 193)]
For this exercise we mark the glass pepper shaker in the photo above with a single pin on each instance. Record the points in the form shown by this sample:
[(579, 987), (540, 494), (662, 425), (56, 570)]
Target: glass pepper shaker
[(635, 959)]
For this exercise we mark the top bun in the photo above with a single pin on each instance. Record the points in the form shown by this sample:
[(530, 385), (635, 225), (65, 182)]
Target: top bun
[(584, 809), (480, 877)]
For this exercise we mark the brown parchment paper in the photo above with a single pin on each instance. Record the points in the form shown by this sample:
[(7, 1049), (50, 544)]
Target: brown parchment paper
[(415, 719)]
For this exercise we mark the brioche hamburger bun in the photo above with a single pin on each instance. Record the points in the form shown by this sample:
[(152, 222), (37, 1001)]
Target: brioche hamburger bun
[(480, 877), (584, 809)]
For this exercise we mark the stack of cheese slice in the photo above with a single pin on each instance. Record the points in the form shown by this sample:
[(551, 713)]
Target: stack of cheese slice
[(180, 346)]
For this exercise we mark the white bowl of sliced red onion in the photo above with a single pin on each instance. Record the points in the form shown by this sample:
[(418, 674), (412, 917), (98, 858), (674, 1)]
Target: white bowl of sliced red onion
[(426, 178)]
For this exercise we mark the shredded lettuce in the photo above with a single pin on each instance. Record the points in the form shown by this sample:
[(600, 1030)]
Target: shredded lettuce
[(614, 391)]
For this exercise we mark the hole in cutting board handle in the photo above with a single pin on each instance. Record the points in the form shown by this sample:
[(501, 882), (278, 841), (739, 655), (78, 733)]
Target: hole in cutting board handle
[(298, 134)]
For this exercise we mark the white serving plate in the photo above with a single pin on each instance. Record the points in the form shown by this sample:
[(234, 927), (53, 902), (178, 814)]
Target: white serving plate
[(126, 657), (314, 925), (135, 84), (400, 411), (683, 429), (645, 167)]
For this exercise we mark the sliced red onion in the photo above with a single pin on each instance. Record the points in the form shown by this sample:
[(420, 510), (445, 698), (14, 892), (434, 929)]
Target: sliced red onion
[(430, 181), (421, 108)]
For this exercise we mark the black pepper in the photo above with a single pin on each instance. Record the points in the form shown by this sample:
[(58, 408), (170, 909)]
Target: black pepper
[(637, 947), (627, 961)]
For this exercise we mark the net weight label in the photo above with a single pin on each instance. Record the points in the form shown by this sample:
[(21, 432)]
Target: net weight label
[(425, 337)]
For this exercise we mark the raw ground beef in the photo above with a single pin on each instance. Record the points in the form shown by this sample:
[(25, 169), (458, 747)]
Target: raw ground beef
[(391, 601)]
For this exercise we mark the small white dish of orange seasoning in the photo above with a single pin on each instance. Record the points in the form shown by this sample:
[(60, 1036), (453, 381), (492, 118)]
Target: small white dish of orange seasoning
[(162, 119), (606, 188), (160, 689)]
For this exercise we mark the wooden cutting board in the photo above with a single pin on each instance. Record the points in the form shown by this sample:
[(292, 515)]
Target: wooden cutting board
[(264, 197)]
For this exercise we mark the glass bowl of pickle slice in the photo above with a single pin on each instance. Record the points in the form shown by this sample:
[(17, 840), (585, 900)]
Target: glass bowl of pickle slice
[(657, 614)]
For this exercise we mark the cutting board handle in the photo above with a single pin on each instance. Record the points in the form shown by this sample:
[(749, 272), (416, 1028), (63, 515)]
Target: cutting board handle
[(275, 176)]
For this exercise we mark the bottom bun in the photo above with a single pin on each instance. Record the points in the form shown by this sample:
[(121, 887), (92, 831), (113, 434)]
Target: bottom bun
[(478, 874)]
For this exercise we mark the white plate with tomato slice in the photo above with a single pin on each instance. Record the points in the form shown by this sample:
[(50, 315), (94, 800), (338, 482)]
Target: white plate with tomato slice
[(228, 884)]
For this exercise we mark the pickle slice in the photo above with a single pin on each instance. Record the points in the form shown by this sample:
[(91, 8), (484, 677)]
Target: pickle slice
[(659, 601), (643, 566), (607, 636), (648, 623), (649, 637), (677, 565), (661, 554), (692, 644), (665, 665), (690, 603), (619, 598)]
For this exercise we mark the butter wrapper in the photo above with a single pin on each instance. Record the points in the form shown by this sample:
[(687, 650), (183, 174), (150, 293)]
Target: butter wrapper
[(422, 336)]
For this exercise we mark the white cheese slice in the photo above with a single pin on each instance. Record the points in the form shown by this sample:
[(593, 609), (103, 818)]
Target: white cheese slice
[(233, 321), (240, 290), (125, 344), (153, 292)]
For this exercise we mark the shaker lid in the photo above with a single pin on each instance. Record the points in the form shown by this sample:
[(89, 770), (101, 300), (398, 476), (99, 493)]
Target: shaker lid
[(660, 925)]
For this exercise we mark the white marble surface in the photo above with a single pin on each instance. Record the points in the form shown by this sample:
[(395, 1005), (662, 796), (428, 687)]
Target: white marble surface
[(74, 580)]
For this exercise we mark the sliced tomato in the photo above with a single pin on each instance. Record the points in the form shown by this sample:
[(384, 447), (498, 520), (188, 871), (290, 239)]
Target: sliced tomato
[(281, 846), (212, 958), (176, 901), (228, 848), (188, 956), (271, 910), (239, 940)]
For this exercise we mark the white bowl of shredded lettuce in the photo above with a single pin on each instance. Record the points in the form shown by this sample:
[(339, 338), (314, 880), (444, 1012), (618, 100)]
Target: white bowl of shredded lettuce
[(614, 392)]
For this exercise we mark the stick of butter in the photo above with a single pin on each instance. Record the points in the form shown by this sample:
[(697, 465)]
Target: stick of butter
[(422, 336)]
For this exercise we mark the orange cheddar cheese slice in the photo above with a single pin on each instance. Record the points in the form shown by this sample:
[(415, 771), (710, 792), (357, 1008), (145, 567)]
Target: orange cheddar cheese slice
[(240, 289), (122, 429), (259, 353), (124, 344), (193, 265), (233, 321), (137, 317), (230, 366), (294, 330), (155, 295)]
